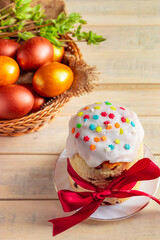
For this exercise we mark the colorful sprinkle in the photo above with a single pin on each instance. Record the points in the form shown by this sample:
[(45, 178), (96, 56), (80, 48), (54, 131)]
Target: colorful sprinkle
[(117, 125), (92, 147), (73, 130), (103, 114), (86, 138), (79, 125), (95, 117), (80, 114), (133, 124), (86, 108), (113, 108), (122, 108), (77, 135), (121, 131), (98, 102), (127, 146), (111, 115), (108, 103), (107, 149), (92, 126), (107, 122), (109, 127), (98, 129), (117, 141), (127, 120), (97, 107), (85, 119), (96, 139), (111, 147), (104, 138), (92, 109), (86, 116), (123, 119)]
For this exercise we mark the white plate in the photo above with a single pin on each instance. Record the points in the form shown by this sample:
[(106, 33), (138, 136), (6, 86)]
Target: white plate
[(109, 212)]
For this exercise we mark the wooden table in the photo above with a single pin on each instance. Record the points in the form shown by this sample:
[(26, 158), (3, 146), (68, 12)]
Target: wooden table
[(130, 64)]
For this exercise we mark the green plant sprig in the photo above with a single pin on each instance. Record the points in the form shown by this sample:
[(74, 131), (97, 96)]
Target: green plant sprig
[(22, 21)]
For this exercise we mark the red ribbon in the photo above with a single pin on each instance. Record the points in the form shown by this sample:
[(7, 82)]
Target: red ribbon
[(88, 202)]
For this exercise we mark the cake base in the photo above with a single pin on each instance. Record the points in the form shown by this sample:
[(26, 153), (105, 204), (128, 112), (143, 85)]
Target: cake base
[(107, 201), (109, 212)]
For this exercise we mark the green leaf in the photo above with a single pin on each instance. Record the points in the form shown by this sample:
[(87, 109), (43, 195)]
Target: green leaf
[(25, 35), (19, 3), (23, 16), (22, 11), (7, 22)]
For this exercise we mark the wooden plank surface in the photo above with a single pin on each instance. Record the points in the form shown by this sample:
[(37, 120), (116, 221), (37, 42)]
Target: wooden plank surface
[(28, 220), (30, 177), (130, 54), (130, 64), (52, 139), (145, 103), (115, 12)]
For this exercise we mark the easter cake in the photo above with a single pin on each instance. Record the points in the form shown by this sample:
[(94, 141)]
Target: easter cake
[(104, 140)]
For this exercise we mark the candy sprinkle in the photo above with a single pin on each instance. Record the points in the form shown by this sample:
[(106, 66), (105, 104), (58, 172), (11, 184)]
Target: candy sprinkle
[(97, 107), (92, 126), (123, 119), (92, 109), (104, 138), (73, 130), (113, 108), (127, 120), (96, 139), (79, 125), (133, 124), (111, 146), (86, 138), (108, 127), (117, 125), (122, 108), (107, 149), (121, 131), (95, 117), (127, 146), (86, 116), (103, 114), (86, 108), (117, 141), (108, 103), (77, 135), (107, 122), (98, 129), (80, 114), (92, 147), (111, 115), (85, 119)]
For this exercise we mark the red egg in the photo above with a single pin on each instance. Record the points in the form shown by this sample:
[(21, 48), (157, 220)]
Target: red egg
[(15, 101), (34, 53), (38, 100), (8, 48)]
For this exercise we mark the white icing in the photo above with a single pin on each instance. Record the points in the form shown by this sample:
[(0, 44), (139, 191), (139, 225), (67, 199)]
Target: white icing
[(131, 135)]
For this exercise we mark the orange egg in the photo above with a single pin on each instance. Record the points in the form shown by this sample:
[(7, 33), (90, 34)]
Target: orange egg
[(58, 54), (9, 71), (52, 79)]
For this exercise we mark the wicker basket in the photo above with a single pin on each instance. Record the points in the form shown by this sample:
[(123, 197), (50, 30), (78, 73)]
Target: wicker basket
[(35, 121)]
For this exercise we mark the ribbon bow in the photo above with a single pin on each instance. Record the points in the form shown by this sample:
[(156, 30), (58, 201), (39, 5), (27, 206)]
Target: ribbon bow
[(87, 202)]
